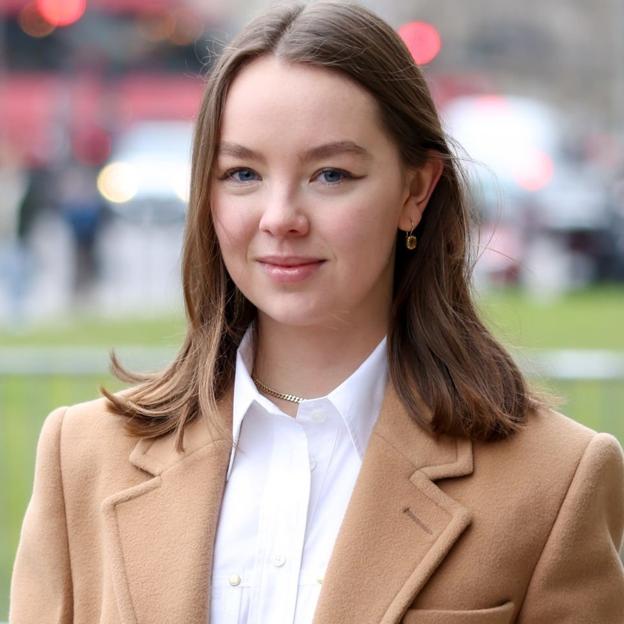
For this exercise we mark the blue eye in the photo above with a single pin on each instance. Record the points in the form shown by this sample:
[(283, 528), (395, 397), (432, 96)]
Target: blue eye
[(334, 176), (241, 174)]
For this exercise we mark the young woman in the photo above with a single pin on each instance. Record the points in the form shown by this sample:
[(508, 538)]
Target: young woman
[(340, 439)]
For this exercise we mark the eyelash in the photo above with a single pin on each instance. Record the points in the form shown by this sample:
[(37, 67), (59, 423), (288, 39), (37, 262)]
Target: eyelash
[(345, 175), (228, 175)]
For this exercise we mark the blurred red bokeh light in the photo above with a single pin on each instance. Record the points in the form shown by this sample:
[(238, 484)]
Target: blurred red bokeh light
[(423, 41), (33, 23), (536, 173), (61, 12)]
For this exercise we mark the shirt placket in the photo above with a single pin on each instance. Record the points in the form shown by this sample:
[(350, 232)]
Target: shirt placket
[(282, 526), (322, 436)]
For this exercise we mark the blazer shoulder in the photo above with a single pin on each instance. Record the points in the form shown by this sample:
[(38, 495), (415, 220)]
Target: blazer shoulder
[(90, 439), (548, 448), (547, 421), (91, 422), (552, 434)]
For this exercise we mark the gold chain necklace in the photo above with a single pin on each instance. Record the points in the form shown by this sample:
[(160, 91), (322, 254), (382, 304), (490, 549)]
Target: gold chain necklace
[(278, 395)]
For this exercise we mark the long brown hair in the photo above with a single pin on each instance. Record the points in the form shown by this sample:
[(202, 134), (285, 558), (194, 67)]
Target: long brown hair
[(440, 353)]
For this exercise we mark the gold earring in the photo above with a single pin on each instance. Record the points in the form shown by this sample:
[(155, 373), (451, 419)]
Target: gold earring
[(410, 240)]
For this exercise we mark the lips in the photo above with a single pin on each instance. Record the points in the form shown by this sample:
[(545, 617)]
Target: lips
[(290, 269), (289, 261)]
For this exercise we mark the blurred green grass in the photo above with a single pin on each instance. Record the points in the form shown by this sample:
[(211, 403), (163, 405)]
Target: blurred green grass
[(587, 319), (89, 331), (592, 319)]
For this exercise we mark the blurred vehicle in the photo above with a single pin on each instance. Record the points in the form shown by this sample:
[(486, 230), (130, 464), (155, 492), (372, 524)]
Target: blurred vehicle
[(555, 212), (148, 175)]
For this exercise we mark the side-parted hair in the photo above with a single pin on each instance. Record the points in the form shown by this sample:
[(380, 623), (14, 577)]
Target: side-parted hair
[(440, 353)]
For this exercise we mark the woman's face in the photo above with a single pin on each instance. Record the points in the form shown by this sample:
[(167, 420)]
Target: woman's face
[(307, 194)]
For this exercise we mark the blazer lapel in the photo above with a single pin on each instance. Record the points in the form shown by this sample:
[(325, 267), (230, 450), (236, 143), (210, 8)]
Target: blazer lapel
[(399, 524), (160, 534)]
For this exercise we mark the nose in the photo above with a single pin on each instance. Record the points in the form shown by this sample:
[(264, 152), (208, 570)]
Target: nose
[(283, 215)]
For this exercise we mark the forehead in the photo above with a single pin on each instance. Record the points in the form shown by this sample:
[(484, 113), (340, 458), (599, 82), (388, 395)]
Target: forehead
[(304, 102)]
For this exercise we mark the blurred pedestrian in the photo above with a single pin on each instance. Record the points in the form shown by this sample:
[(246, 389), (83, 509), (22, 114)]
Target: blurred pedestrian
[(13, 182), (390, 464), (82, 210)]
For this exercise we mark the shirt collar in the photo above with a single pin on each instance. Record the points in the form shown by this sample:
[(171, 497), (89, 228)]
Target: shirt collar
[(357, 399)]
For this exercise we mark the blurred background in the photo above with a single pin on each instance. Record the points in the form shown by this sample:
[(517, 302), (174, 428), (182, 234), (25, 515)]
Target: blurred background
[(97, 100)]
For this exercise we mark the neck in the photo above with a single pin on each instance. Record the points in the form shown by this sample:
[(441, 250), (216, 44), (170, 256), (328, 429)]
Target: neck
[(310, 361)]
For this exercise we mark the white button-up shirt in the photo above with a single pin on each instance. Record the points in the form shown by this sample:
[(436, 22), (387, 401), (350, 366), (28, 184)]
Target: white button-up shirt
[(288, 486)]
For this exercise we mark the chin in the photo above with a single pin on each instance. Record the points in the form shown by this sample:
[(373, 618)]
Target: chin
[(296, 314), (292, 318)]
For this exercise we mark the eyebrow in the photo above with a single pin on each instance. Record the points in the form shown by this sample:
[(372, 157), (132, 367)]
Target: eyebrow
[(226, 148)]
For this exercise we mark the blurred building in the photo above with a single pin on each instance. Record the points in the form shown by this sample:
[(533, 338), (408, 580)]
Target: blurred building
[(82, 80), (567, 52)]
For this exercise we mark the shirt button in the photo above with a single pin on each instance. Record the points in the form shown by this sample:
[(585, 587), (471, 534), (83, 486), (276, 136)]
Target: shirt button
[(313, 463), (318, 416), (319, 580), (279, 561), (234, 580)]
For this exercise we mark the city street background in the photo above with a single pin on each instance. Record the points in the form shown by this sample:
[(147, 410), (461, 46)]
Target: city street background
[(97, 101)]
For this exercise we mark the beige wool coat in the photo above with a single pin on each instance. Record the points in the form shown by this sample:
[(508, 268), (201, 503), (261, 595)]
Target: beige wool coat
[(438, 530)]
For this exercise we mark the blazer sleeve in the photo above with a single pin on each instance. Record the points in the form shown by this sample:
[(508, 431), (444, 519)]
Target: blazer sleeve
[(579, 578), (41, 585)]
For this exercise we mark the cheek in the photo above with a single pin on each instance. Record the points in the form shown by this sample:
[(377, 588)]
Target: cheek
[(233, 230), (370, 230), (233, 246)]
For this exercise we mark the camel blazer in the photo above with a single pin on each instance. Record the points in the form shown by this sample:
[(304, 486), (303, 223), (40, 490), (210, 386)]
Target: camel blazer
[(439, 530)]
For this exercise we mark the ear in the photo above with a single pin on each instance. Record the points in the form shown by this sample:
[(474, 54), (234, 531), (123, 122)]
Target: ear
[(420, 183)]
